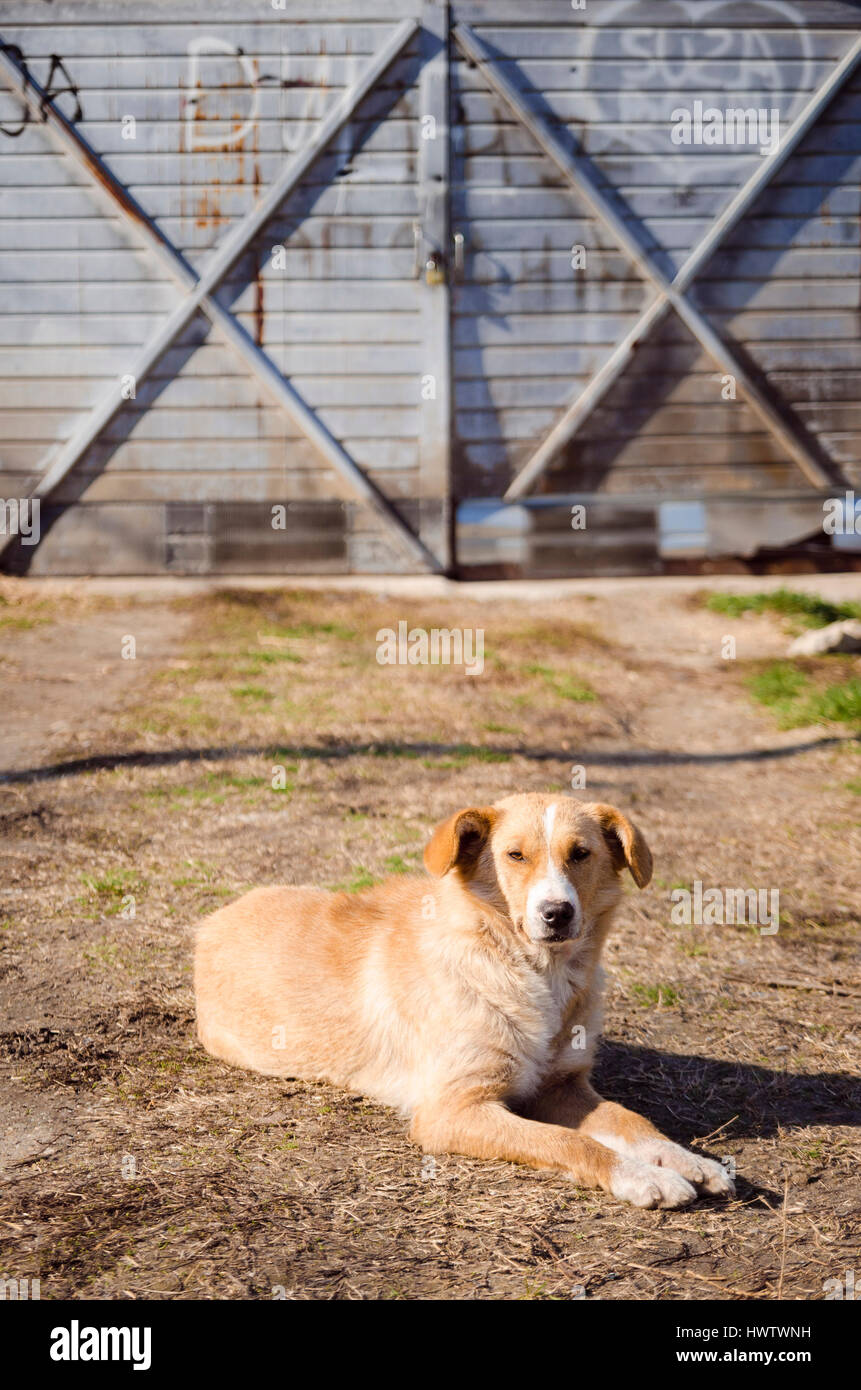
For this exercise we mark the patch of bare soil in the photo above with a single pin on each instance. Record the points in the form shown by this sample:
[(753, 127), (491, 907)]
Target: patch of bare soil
[(135, 1166)]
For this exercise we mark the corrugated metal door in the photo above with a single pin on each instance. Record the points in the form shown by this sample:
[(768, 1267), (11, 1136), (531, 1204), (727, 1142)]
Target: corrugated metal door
[(575, 208), (666, 333), (294, 415)]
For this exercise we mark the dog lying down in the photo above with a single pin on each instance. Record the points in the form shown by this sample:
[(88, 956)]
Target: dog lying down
[(471, 1000)]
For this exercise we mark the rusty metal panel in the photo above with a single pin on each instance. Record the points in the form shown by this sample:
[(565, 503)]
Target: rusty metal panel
[(536, 316), (195, 112), (196, 116)]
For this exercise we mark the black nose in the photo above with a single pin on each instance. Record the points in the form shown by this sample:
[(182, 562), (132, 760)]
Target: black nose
[(557, 914)]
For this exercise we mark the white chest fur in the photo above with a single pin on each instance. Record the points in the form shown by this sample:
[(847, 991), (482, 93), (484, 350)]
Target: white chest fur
[(564, 1013)]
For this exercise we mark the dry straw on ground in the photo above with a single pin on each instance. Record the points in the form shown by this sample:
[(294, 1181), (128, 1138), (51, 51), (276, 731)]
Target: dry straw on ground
[(134, 1166)]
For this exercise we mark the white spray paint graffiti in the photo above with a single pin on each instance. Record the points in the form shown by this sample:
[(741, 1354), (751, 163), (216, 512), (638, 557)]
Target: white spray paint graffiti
[(197, 136), (692, 53), (297, 127)]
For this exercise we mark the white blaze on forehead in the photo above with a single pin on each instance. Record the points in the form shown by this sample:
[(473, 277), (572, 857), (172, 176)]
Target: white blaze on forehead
[(554, 886)]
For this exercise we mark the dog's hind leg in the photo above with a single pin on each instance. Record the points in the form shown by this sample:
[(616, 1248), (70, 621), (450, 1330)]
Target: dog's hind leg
[(221, 1043)]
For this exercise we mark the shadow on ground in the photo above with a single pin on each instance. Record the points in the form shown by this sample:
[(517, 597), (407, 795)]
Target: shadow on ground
[(171, 757), (692, 1094)]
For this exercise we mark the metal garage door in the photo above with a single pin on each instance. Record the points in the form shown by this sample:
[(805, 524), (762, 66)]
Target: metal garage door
[(232, 214), (666, 333), (344, 314)]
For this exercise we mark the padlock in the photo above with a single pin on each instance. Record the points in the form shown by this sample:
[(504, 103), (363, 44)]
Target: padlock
[(434, 269)]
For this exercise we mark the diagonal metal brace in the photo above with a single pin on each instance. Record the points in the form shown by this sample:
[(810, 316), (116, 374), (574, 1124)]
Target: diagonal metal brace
[(578, 173), (595, 390)]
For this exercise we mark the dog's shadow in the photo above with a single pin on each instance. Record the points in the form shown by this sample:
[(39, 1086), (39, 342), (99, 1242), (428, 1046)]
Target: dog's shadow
[(690, 1096)]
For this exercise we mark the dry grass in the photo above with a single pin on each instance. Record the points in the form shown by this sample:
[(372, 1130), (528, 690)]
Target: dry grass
[(136, 1166)]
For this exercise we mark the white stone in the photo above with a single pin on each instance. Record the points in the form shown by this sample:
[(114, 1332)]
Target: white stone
[(844, 636)]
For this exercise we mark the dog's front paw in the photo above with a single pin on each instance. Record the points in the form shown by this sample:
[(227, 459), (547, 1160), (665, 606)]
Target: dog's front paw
[(647, 1185), (712, 1177)]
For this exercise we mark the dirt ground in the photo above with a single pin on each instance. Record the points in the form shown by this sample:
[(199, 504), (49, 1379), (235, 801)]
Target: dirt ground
[(137, 795)]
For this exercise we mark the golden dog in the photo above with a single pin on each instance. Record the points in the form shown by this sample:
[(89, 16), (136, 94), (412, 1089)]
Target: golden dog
[(471, 1001)]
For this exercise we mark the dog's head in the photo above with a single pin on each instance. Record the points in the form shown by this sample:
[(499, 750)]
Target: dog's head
[(549, 863)]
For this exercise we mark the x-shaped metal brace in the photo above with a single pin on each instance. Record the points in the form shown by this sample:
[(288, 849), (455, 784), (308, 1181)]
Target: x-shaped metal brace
[(578, 173), (200, 289)]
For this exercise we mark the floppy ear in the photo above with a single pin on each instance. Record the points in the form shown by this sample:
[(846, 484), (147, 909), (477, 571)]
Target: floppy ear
[(626, 844), (459, 840)]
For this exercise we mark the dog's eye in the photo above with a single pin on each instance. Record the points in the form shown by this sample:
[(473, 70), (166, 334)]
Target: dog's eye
[(515, 854), (578, 852)]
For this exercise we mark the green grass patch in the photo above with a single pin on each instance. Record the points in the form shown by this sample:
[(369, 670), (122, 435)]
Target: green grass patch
[(253, 692), (211, 788), (796, 702), (778, 686), (20, 622), (396, 864), (568, 689), (105, 954), (464, 754), (561, 684), (690, 946), (359, 879), (106, 892), (201, 875), (656, 996), (306, 629), (808, 609), (270, 658), (837, 704)]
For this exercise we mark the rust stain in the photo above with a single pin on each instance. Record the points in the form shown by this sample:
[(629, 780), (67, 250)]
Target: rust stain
[(182, 162), (259, 310), (208, 212), (205, 202), (259, 306), (115, 189)]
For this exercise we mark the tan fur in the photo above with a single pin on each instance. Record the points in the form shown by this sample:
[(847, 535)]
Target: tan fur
[(441, 997)]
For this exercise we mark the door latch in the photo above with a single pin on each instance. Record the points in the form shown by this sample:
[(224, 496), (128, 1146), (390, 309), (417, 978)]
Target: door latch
[(434, 269), (458, 255)]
